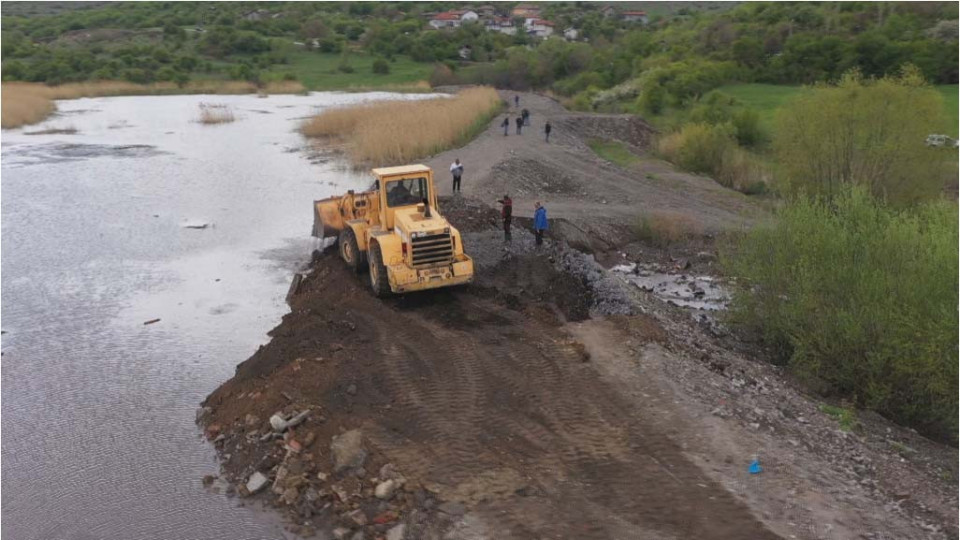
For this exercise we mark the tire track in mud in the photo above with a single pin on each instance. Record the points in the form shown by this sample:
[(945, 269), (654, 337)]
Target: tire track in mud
[(525, 415)]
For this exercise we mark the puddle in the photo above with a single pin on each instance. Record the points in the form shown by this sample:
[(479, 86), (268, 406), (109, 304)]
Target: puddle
[(685, 290)]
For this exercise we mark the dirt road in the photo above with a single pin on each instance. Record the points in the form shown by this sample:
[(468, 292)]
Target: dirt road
[(576, 185)]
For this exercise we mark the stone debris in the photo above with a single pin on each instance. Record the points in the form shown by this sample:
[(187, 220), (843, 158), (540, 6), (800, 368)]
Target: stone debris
[(256, 482), (385, 489), (347, 451)]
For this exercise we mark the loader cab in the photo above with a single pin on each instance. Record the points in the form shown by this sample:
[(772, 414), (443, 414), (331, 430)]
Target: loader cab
[(403, 187)]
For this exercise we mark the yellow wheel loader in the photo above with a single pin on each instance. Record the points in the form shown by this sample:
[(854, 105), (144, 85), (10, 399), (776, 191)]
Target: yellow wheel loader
[(396, 231)]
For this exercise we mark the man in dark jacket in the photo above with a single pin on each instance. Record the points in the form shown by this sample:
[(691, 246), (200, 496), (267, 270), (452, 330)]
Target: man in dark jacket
[(507, 214), (506, 125), (519, 124), (546, 131)]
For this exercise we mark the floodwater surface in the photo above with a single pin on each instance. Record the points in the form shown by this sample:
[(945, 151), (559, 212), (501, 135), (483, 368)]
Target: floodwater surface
[(142, 214)]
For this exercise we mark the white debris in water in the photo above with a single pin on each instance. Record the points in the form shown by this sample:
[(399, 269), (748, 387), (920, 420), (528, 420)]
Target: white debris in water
[(685, 290)]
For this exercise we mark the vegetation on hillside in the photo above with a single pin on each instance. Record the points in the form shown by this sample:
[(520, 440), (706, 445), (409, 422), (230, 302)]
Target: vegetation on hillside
[(860, 300)]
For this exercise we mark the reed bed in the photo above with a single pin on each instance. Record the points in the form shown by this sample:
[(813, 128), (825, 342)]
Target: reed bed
[(29, 103), (216, 113), (397, 132)]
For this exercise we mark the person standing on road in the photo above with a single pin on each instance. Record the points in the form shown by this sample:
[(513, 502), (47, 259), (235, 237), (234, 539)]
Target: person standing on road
[(519, 124), (516, 100), (456, 169), (506, 125), (507, 214), (526, 117), (539, 222), (546, 131)]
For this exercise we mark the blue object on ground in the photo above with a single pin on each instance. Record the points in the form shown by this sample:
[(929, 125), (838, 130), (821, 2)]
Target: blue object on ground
[(755, 467)]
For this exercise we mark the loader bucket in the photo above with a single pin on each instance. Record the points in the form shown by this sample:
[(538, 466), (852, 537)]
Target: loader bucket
[(327, 220)]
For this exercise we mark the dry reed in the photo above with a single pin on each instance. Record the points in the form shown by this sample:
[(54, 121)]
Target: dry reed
[(663, 228), (28, 103), (397, 132), (215, 113)]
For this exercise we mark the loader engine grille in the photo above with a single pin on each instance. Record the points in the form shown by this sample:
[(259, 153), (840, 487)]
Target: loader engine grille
[(432, 249)]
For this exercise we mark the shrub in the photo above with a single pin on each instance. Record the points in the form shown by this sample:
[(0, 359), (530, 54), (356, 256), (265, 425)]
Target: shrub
[(860, 299), (865, 132), (443, 76), (664, 228), (215, 113), (652, 99), (699, 148), (381, 66)]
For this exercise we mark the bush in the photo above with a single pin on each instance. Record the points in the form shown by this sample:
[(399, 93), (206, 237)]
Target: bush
[(865, 132), (662, 229), (443, 76), (860, 299), (652, 99), (381, 66), (698, 148)]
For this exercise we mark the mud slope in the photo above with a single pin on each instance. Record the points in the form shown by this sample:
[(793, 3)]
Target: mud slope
[(483, 405)]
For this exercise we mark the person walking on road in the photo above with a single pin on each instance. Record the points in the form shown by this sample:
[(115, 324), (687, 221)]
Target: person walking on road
[(506, 125), (526, 117), (456, 169), (519, 124), (506, 212), (540, 222), (546, 131), (516, 100)]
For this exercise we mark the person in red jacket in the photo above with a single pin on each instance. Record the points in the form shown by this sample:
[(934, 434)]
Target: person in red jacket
[(506, 212)]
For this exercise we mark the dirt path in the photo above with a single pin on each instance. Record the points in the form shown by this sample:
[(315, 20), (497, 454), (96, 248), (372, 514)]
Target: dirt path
[(577, 185)]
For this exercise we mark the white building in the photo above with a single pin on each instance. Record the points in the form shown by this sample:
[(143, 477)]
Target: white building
[(540, 28), (445, 20), (636, 16), (571, 34)]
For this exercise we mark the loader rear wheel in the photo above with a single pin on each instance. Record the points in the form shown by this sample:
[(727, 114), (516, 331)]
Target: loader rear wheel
[(349, 251), (379, 279)]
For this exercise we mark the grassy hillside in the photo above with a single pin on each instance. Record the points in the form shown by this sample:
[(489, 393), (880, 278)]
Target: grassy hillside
[(766, 99), (320, 71)]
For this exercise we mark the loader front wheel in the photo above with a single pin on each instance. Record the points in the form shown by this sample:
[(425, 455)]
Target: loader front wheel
[(379, 280), (349, 251)]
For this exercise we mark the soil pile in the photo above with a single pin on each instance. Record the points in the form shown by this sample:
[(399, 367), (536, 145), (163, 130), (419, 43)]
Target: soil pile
[(467, 399)]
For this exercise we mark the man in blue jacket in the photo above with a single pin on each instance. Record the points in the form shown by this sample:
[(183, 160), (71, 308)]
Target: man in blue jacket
[(539, 222)]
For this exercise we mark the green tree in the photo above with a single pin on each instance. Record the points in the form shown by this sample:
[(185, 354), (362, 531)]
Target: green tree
[(866, 132)]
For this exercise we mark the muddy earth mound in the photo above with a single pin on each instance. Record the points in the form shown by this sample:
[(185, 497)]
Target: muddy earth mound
[(468, 410)]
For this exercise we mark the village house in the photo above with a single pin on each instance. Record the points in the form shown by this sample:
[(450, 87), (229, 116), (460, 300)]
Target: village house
[(540, 28), (445, 20), (465, 15), (571, 34), (526, 11), (609, 11), (635, 16)]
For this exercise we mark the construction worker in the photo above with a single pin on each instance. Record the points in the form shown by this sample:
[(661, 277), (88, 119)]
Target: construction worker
[(506, 125), (506, 212), (539, 222), (456, 169), (546, 130)]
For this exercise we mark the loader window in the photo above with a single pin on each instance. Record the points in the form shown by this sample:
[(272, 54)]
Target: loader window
[(406, 192)]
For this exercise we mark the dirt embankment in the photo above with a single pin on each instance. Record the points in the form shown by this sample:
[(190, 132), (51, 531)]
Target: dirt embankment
[(553, 399)]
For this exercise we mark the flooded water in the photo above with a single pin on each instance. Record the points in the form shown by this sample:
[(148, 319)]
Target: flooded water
[(142, 214)]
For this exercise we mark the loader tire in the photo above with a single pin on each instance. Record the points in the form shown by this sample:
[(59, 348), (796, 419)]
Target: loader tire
[(349, 251), (379, 279)]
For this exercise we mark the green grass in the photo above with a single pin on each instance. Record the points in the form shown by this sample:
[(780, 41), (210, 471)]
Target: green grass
[(950, 106), (613, 151), (846, 417), (318, 71), (766, 99)]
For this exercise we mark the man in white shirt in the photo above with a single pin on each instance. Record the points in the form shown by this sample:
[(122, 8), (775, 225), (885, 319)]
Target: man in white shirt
[(456, 169)]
